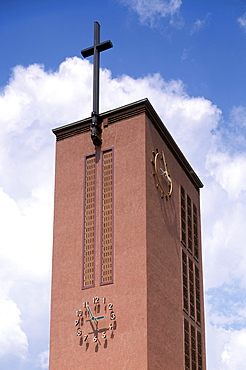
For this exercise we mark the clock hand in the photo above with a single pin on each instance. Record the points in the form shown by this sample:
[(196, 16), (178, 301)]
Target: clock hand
[(99, 317), (96, 318), (165, 173), (165, 163), (91, 315)]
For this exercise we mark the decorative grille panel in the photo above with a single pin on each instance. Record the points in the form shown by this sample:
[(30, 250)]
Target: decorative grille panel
[(107, 219), (89, 223)]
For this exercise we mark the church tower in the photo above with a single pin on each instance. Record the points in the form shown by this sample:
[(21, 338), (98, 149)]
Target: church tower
[(127, 287)]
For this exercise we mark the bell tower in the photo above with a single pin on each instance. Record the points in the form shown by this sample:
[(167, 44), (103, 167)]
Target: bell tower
[(127, 283)]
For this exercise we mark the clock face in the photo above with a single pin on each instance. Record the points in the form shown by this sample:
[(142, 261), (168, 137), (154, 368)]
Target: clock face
[(162, 174), (95, 322)]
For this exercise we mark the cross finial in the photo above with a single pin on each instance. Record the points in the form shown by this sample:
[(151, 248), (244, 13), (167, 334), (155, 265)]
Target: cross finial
[(95, 51)]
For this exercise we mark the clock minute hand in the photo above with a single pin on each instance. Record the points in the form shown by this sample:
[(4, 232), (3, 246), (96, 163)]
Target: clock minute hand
[(165, 163), (91, 315), (165, 173)]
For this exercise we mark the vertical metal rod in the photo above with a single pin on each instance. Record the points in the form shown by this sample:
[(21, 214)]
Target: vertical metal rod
[(96, 68), (95, 51)]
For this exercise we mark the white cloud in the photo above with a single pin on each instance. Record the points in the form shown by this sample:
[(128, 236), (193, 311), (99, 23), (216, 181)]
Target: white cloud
[(226, 348), (200, 24), (13, 341), (242, 21), (227, 170), (34, 102), (186, 117), (43, 359), (25, 264), (238, 116), (234, 356), (185, 54), (26, 233), (151, 11)]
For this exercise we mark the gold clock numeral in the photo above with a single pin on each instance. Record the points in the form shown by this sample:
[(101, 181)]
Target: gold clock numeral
[(76, 322), (79, 313), (104, 336), (104, 300), (85, 337), (79, 332), (110, 326), (110, 306), (112, 316), (95, 300), (95, 339)]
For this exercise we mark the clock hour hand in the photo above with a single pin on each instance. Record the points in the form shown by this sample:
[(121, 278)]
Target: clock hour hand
[(99, 317), (96, 318)]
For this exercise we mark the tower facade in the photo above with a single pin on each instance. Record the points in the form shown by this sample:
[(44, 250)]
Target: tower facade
[(127, 290)]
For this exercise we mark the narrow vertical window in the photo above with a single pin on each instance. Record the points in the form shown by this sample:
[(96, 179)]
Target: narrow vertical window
[(193, 348), (191, 286), (189, 221), (107, 218), (185, 282), (198, 302), (187, 344), (195, 231), (199, 350), (183, 215), (89, 220)]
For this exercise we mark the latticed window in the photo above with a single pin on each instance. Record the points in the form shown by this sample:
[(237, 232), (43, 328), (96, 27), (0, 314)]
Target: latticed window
[(195, 231), (187, 344), (89, 219), (192, 347), (191, 287), (199, 350), (183, 215), (198, 301), (107, 218), (189, 223), (185, 282), (189, 219), (191, 282)]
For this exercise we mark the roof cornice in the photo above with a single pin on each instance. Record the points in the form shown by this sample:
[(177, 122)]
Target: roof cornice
[(130, 110)]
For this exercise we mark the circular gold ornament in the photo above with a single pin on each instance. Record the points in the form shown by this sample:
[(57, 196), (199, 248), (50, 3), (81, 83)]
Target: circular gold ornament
[(162, 173)]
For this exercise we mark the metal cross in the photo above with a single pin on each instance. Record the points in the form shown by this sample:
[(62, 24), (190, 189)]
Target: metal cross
[(95, 51)]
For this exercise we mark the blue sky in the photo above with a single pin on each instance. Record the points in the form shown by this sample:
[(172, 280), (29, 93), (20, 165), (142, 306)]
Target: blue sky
[(203, 46), (188, 58)]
